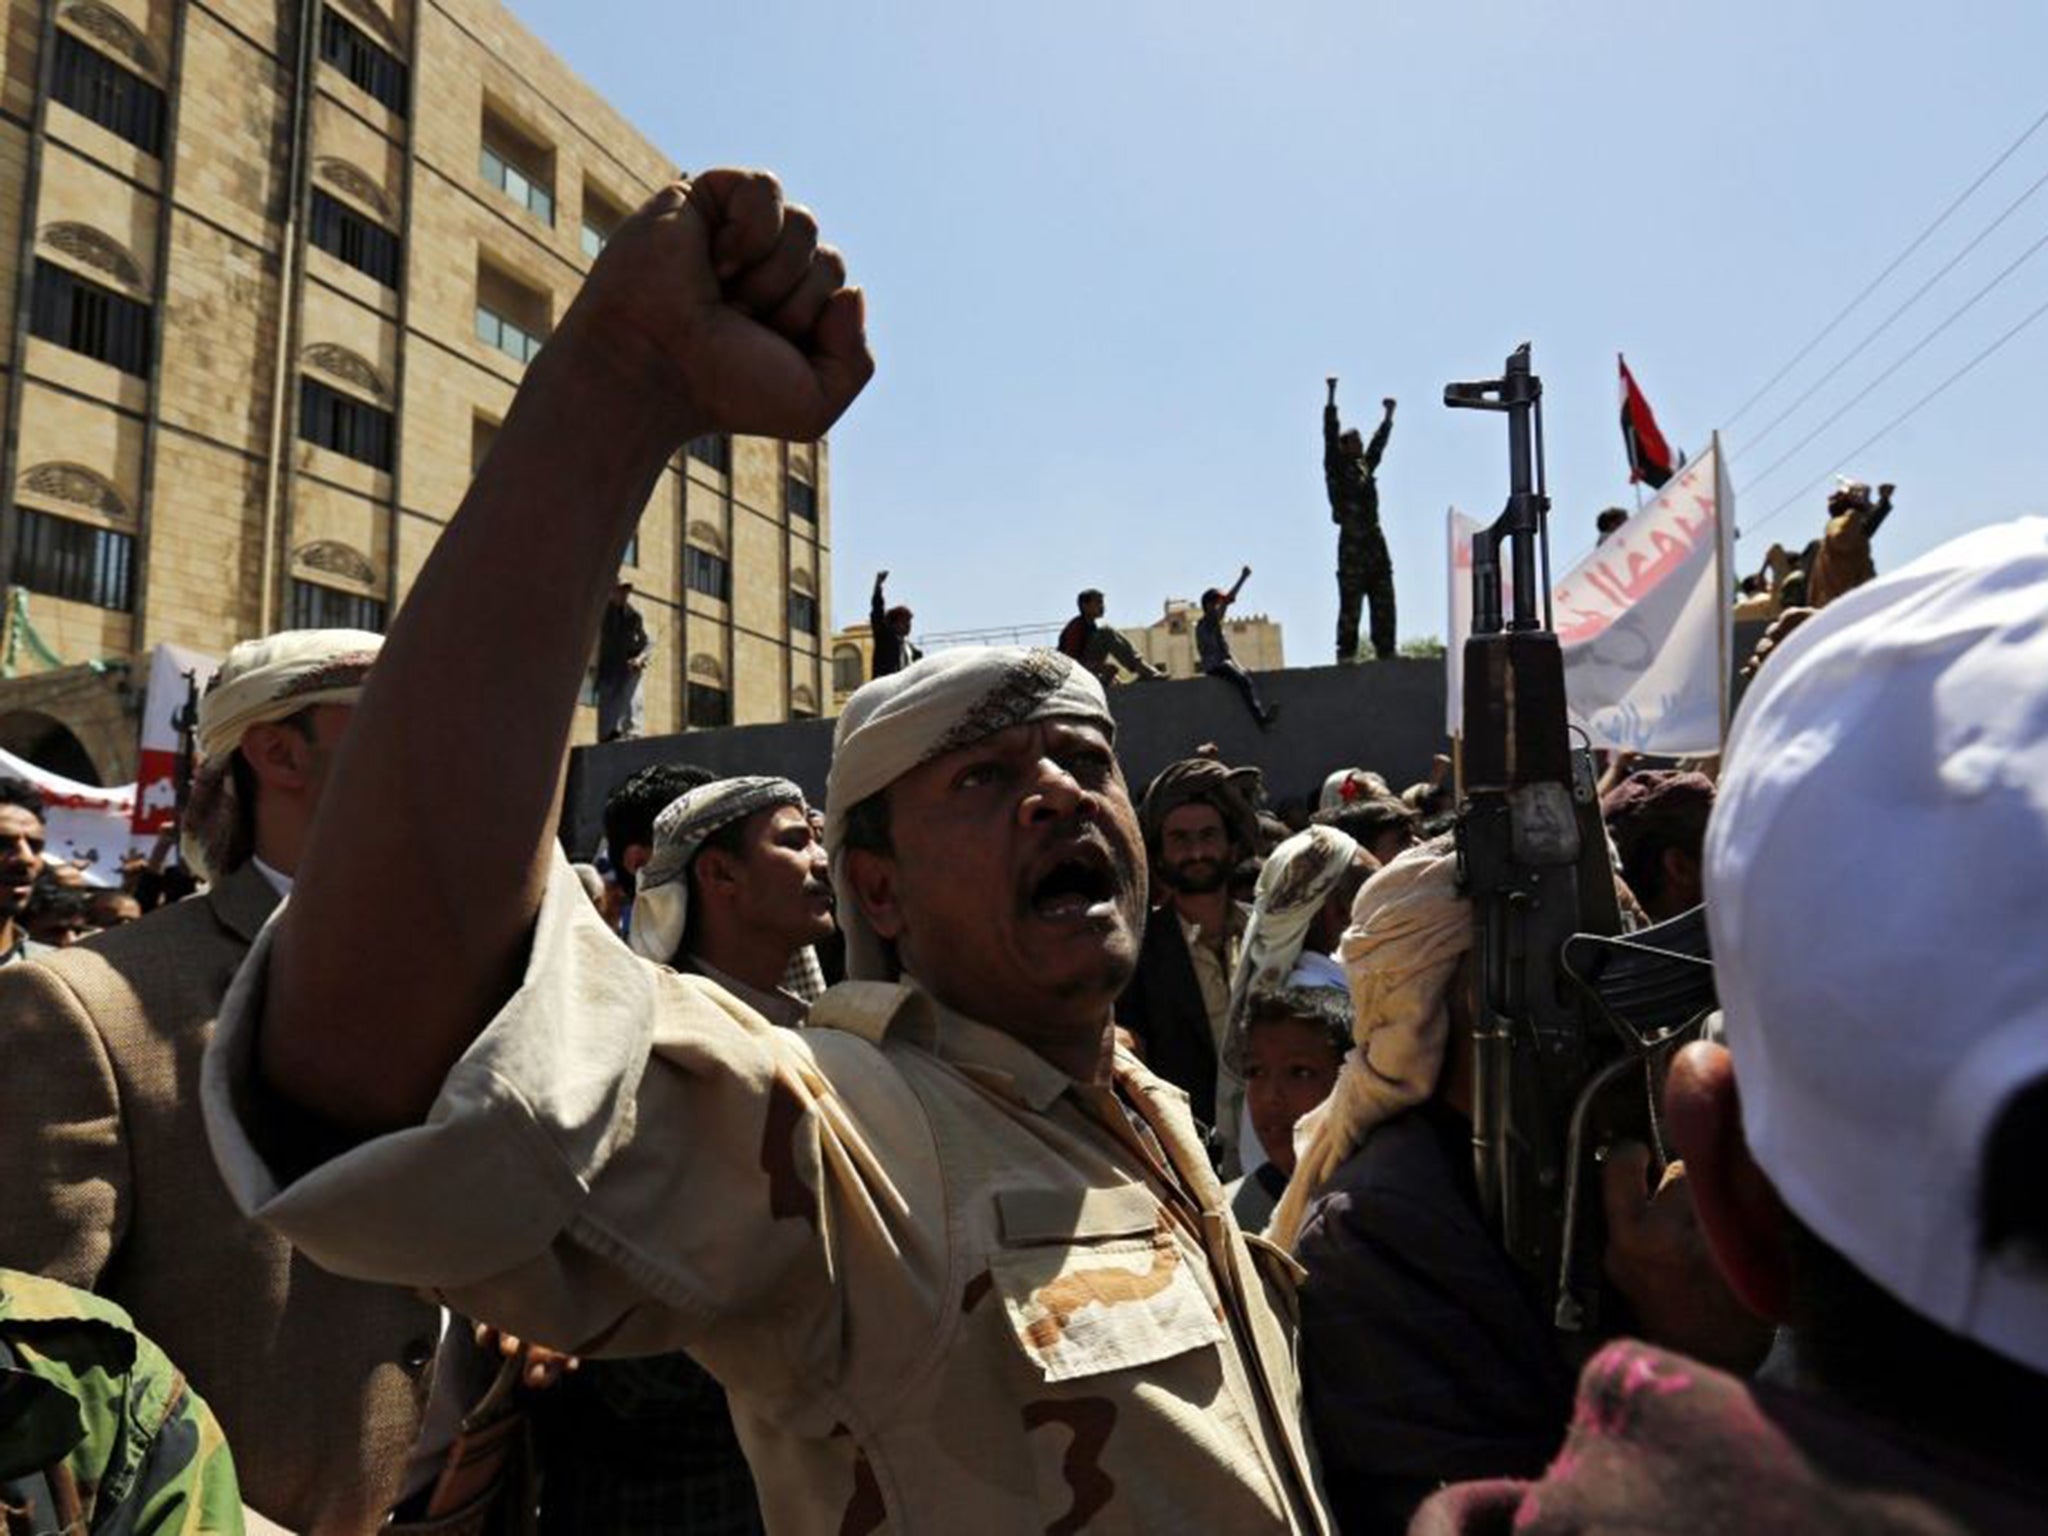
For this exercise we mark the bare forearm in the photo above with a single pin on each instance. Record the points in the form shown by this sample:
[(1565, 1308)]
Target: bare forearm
[(409, 921), (713, 308)]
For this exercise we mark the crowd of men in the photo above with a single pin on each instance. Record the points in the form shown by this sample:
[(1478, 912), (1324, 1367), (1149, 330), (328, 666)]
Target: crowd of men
[(999, 1145)]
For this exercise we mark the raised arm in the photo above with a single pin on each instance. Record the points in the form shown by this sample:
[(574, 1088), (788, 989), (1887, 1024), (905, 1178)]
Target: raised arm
[(1880, 511), (1237, 586), (1378, 445), (712, 309), (878, 605), (1331, 425)]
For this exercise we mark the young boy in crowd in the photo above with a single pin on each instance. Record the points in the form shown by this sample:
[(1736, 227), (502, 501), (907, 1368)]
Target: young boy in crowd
[(1294, 1042)]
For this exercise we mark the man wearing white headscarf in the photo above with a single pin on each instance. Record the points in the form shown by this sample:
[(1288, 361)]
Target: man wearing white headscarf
[(316, 1380), (1298, 913), (1429, 1359), (737, 885), (960, 1264)]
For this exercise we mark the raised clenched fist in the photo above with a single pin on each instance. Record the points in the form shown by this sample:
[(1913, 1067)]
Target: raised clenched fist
[(717, 297)]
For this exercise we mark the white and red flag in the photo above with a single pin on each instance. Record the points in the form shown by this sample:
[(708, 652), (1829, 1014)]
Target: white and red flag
[(156, 769)]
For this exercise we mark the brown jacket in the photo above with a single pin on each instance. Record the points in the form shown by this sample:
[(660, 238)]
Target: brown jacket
[(109, 1185)]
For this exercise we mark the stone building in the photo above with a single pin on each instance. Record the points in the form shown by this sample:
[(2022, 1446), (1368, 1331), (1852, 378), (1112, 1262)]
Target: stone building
[(1169, 640), (276, 270)]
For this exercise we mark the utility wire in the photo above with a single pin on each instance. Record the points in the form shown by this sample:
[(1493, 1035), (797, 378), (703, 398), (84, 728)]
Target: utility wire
[(1896, 262), (1900, 419), (1886, 324), (1904, 358)]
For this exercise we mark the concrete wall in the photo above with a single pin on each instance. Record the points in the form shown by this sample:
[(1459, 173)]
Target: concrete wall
[(1383, 715)]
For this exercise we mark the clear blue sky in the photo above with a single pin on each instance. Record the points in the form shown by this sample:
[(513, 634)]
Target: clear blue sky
[(1112, 250)]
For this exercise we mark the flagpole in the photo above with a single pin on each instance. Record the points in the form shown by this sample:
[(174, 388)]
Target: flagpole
[(1723, 522)]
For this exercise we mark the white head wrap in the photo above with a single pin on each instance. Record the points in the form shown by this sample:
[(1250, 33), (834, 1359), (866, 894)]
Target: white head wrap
[(1410, 926), (260, 683), (1295, 882), (661, 901), (935, 706)]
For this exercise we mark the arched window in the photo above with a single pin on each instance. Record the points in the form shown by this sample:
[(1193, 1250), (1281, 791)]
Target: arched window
[(848, 672)]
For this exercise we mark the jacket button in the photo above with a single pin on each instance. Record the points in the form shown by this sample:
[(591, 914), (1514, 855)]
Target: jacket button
[(419, 1354)]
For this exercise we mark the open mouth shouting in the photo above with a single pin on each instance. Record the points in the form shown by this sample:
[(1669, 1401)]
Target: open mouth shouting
[(1076, 883)]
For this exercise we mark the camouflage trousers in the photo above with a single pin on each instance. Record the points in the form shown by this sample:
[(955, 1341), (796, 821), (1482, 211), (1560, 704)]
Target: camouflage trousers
[(1364, 571)]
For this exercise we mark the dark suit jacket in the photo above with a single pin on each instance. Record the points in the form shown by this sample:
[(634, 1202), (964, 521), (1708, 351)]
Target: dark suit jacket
[(110, 1185), (1162, 1005)]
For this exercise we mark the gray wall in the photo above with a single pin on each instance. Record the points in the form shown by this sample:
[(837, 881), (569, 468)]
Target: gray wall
[(1385, 715)]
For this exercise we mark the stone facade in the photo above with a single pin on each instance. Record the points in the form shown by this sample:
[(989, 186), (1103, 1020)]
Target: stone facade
[(1169, 641), (176, 495)]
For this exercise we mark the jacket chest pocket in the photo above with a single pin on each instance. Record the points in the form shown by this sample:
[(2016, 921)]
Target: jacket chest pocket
[(1091, 1282)]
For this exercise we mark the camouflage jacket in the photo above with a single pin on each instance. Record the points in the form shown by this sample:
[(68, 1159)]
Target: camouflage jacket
[(1354, 494), (947, 1287), (98, 1430)]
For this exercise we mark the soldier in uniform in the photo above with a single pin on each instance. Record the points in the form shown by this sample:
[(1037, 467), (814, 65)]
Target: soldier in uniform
[(960, 1262), (98, 1430), (1364, 568)]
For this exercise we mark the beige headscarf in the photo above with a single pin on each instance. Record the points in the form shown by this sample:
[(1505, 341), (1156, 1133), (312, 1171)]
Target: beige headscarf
[(1410, 926), (661, 901), (260, 683), (1293, 885), (935, 706)]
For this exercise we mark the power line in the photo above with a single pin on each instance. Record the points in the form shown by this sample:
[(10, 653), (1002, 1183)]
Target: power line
[(1886, 324), (1896, 262), (1897, 363), (1900, 419)]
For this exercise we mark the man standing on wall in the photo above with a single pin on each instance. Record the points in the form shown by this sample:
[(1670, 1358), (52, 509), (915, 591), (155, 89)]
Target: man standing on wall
[(1364, 568)]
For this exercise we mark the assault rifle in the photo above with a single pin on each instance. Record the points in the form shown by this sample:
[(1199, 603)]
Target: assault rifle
[(1566, 1015)]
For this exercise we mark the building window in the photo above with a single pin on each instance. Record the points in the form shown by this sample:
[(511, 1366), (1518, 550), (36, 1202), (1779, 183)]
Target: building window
[(707, 573), (803, 499), (75, 561), (344, 423), (714, 449), (349, 49), (520, 169), (509, 315), (803, 613), (494, 330), (354, 238), (709, 705), (632, 555), (118, 99), (77, 313), (848, 671), (600, 218), (318, 607), (482, 433)]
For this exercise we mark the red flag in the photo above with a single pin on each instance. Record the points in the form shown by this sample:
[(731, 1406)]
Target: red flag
[(1650, 459)]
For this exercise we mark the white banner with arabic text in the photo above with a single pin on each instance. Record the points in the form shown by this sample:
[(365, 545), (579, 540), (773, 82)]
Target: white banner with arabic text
[(1643, 620)]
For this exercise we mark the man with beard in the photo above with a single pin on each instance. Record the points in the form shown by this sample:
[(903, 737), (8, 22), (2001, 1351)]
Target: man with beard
[(1199, 822), (21, 865), (958, 1260)]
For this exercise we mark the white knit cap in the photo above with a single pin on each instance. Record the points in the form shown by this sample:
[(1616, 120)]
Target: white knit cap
[(1876, 874)]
